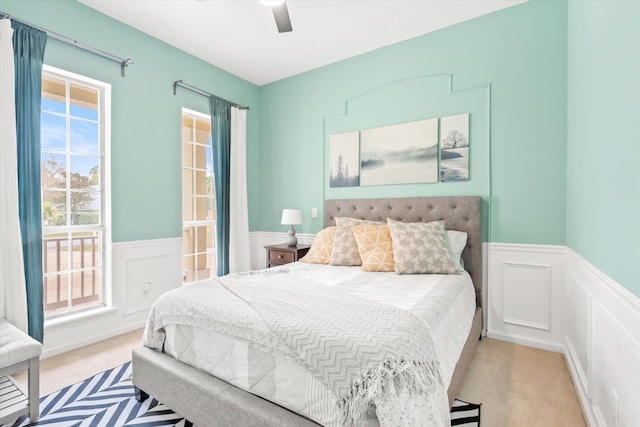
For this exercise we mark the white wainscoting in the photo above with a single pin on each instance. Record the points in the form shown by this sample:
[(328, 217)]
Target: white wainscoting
[(526, 289), (547, 297), (602, 344), (551, 298), (141, 271)]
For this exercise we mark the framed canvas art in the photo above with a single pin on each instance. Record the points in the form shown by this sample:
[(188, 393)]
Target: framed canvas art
[(454, 148), (400, 154), (344, 159)]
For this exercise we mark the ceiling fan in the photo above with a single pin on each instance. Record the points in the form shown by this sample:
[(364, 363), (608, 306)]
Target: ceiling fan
[(280, 13)]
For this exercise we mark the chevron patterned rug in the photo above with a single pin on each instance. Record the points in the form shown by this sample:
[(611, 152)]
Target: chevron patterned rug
[(107, 400)]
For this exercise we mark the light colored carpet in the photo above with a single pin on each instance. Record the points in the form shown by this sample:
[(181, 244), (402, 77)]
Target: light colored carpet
[(521, 386), (68, 368), (517, 385)]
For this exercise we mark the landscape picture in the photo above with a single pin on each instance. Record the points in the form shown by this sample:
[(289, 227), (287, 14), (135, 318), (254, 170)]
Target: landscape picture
[(344, 159), (400, 154), (454, 148)]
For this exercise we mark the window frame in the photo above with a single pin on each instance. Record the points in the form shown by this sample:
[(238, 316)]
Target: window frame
[(104, 223), (197, 223)]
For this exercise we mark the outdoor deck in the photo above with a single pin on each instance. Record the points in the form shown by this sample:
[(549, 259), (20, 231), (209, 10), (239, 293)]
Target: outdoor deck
[(83, 274)]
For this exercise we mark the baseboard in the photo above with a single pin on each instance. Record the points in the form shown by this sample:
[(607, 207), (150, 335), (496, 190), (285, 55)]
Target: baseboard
[(529, 342), (85, 340)]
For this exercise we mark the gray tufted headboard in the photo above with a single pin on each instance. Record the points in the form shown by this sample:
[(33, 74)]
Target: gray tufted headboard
[(463, 213)]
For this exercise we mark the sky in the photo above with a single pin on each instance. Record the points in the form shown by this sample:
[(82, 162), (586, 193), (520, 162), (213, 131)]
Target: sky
[(84, 128), (459, 122)]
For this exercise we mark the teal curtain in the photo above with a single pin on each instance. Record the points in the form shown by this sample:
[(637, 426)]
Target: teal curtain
[(28, 48), (221, 135)]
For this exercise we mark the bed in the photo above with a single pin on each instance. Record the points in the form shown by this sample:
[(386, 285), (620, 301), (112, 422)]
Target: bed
[(207, 400)]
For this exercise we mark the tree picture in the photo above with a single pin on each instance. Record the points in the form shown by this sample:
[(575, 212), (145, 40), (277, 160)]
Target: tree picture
[(345, 158), (455, 139), (454, 148)]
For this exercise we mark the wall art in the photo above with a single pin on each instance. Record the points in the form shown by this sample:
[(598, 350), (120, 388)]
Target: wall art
[(400, 154), (344, 159), (454, 148)]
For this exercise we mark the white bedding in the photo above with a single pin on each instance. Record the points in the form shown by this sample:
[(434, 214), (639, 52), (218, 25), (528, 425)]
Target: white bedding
[(445, 302)]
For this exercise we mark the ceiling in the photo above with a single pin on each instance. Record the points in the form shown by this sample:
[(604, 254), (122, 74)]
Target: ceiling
[(240, 36)]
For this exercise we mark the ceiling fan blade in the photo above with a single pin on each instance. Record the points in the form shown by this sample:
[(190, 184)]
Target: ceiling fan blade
[(281, 14)]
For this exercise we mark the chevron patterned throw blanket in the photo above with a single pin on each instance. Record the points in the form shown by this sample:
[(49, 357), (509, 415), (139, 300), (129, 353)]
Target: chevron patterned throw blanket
[(366, 353)]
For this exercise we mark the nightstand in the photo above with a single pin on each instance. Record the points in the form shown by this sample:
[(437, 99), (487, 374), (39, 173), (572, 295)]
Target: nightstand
[(284, 254)]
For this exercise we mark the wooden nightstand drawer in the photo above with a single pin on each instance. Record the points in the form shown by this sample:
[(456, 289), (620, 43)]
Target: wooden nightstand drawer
[(276, 255), (284, 254)]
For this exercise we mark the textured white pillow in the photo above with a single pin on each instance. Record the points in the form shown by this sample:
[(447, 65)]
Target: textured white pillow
[(421, 247), (457, 243), (345, 248)]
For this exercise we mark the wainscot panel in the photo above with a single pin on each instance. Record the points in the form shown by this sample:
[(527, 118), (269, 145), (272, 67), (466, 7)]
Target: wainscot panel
[(146, 269), (602, 344), (141, 271), (526, 287)]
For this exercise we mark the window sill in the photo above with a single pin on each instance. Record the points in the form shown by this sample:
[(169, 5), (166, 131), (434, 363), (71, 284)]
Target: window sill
[(76, 318)]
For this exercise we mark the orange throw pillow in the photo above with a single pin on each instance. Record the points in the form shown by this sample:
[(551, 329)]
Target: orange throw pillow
[(320, 251), (375, 247)]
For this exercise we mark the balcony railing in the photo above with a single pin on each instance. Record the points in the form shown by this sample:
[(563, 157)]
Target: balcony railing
[(84, 271)]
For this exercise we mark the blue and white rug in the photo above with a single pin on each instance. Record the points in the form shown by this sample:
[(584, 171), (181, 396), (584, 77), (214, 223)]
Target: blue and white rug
[(104, 400), (108, 400), (465, 414)]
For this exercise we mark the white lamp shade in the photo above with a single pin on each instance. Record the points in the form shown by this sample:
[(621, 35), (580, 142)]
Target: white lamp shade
[(291, 216), (271, 3)]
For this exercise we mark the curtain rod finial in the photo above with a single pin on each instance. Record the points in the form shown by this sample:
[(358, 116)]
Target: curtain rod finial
[(124, 64)]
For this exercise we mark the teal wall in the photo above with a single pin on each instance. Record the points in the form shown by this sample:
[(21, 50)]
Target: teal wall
[(519, 51), (603, 176), (555, 141), (146, 116)]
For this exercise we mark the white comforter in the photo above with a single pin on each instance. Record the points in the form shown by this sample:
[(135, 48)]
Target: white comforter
[(249, 358)]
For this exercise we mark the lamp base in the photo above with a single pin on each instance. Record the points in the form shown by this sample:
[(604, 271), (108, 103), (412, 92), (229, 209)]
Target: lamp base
[(292, 240)]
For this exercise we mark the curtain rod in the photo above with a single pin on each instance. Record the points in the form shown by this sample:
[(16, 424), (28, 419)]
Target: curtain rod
[(123, 62), (187, 86)]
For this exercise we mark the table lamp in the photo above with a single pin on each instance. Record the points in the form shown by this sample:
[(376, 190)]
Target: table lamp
[(291, 217)]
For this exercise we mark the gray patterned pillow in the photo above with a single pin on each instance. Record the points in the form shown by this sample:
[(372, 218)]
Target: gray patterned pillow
[(345, 248), (421, 247)]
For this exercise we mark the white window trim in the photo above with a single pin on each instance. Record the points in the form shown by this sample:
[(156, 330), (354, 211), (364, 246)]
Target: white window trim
[(105, 132)]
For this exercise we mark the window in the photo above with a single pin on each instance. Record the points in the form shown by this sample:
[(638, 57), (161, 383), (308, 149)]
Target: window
[(198, 198), (74, 137)]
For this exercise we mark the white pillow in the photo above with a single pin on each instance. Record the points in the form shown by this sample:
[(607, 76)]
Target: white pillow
[(457, 243)]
